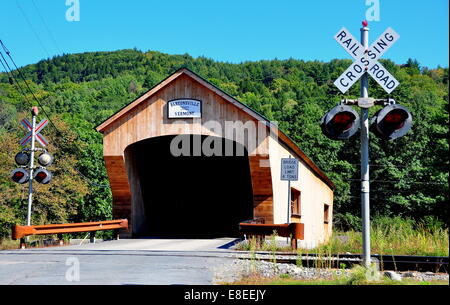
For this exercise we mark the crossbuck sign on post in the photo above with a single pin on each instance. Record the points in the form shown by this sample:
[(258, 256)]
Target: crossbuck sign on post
[(40, 138), (366, 61)]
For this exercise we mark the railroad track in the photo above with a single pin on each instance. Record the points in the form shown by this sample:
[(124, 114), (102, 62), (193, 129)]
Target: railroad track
[(387, 262)]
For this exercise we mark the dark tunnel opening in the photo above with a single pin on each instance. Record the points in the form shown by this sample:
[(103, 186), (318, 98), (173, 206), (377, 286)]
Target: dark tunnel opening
[(192, 196)]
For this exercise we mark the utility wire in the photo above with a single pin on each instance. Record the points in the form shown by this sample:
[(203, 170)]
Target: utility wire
[(12, 79), (26, 84), (391, 181), (59, 133), (32, 28), (46, 27)]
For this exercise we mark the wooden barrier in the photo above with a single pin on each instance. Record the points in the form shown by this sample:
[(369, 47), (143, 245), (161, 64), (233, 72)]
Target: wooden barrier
[(19, 232), (293, 230)]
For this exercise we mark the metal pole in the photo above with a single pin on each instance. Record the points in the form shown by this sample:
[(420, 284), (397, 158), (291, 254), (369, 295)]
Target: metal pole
[(289, 200), (365, 191), (31, 168), (289, 205)]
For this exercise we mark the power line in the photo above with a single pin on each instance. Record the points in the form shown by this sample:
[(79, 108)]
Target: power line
[(59, 133), (32, 28), (399, 181), (26, 84), (12, 78), (46, 27)]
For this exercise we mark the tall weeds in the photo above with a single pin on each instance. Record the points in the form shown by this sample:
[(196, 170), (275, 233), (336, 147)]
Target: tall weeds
[(394, 236)]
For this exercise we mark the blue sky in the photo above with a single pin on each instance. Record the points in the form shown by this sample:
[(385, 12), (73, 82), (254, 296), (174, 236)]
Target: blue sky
[(231, 30)]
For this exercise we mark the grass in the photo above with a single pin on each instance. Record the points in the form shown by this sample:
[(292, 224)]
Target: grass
[(389, 236), (34, 242), (392, 236), (9, 244), (270, 245)]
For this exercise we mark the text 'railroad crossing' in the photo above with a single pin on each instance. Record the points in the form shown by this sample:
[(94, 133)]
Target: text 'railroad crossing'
[(366, 60)]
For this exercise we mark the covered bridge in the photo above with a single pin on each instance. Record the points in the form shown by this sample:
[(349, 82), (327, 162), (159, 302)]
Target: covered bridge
[(188, 160)]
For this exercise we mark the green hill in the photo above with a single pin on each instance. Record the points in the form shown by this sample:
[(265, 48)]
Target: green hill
[(79, 91)]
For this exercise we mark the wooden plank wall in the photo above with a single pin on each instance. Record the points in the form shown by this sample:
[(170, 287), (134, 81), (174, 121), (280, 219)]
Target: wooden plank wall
[(118, 179), (262, 188)]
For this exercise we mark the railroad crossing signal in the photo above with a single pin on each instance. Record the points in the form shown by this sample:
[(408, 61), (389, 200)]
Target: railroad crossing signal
[(366, 60), (42, 175), (340, 123), (20, 175), (391, 122), (22, 158), (25, 159), (40, 138)]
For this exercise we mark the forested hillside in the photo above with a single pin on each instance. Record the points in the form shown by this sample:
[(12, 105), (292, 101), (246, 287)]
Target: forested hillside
[(409, 175)]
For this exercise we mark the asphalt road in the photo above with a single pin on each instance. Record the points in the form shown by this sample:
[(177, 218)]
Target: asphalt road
[(123, 262)]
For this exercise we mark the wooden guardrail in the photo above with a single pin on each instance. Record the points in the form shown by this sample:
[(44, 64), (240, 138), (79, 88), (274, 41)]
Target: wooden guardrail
[(19, 232), (293, 230)]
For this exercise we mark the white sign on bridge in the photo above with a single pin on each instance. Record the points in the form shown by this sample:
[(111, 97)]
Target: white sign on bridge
[(289, 169), (184, 108), (366, 61)]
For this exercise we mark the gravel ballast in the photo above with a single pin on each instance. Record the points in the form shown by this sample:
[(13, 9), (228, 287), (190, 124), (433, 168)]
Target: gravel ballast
[(241, 268)]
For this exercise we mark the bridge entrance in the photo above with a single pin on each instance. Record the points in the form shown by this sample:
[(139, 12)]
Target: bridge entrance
[(188, 196)]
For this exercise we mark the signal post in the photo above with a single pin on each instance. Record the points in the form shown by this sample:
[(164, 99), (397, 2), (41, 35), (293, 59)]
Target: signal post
[(25, 159), (342, 122)]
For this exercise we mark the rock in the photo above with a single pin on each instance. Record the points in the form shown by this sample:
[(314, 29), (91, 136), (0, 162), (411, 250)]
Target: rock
[(343, 238), (392, 275)]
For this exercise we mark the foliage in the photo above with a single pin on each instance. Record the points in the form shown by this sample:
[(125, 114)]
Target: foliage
[(79, 91), (394, 236)]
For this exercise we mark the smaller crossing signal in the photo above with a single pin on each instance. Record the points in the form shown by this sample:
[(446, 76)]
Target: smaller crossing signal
[(45, 159), (391, 122), (42, 175), (22, 158), (20, 175), (340, 123)]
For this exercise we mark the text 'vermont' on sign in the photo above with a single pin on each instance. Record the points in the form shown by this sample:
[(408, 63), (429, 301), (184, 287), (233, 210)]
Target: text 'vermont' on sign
[(184, 108)]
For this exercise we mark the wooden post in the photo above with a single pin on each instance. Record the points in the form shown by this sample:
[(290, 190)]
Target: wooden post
[(60, 239), (92, 237), (259, 240), (293, 243), (116, 234), (22, 243)]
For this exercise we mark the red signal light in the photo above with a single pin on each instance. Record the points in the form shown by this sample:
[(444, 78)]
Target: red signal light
[(344, 120), (396, 118), (391, 122), (18, 175), (340, 123), (41, 176)]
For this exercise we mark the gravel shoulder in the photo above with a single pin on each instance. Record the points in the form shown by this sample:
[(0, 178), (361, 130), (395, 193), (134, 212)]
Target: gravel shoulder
[(241, 268)]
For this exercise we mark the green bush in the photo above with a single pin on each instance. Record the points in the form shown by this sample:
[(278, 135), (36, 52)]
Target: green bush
[(7, 220)]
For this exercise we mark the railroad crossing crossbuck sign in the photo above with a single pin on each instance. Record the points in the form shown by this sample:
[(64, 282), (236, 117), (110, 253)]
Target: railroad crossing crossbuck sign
[(366, 60), (40, 138)]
